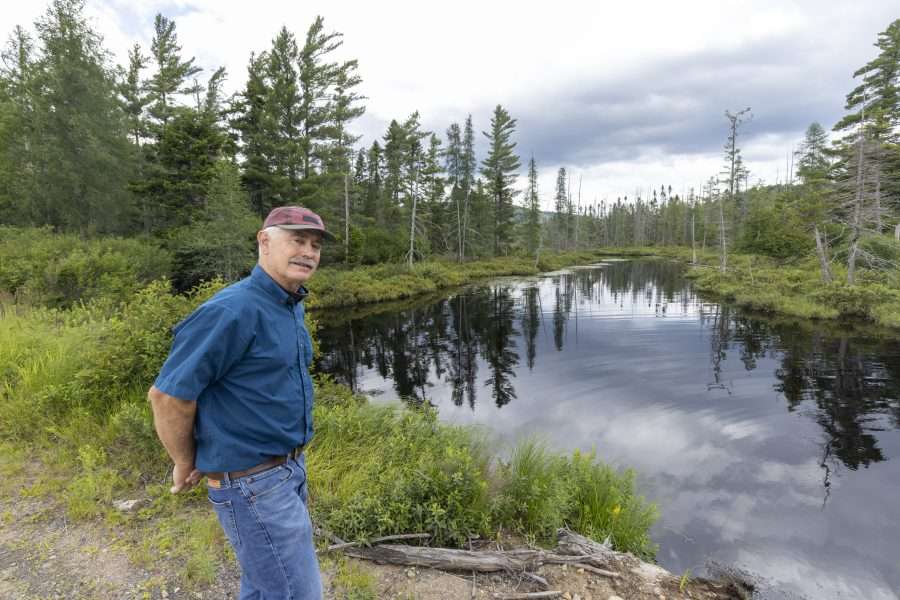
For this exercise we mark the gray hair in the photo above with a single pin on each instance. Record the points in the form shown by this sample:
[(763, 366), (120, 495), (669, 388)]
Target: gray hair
[(271, 231)]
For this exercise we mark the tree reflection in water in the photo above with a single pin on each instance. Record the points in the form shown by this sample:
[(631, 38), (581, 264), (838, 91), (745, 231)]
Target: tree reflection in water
[(848, 384)]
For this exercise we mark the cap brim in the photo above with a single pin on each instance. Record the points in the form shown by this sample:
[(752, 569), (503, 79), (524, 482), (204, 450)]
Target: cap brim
[(325, 234)]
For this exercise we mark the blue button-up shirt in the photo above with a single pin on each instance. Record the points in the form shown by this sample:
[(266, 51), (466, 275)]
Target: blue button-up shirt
[(244, 356)]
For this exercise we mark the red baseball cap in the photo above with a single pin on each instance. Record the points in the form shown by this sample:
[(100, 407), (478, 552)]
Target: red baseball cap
[(296, 217)]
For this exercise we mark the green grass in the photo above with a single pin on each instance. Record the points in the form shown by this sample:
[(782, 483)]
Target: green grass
[(352, 581), (795, 288), (392, 281), (73, 396)]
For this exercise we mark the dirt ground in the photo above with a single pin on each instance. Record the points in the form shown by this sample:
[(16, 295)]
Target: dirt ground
[(45, 556)]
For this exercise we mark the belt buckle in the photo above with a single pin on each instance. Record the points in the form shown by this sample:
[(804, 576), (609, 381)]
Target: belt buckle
[(213, 483)]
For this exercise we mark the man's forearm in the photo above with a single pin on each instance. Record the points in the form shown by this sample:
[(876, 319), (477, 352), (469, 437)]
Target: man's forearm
[(174, 421)]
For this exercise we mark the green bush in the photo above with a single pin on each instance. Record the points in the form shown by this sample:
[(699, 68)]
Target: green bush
[(42, 267), (773, 231)]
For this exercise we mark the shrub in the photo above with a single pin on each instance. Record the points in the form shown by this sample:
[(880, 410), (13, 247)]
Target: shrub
[(61, 269)]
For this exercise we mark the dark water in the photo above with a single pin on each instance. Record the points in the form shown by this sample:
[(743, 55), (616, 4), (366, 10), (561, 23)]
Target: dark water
[(770, 446)]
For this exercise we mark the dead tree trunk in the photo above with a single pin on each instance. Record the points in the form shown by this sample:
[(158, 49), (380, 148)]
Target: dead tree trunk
[(823, 258), (346, 218), (693, 242)]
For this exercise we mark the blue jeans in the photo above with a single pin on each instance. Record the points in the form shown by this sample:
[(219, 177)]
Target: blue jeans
[(265, 518)]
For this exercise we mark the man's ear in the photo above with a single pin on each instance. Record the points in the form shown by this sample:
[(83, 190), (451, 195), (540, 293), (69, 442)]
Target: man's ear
[(262, 239)]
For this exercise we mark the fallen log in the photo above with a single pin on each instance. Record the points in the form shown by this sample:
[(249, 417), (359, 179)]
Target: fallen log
[(529, 595), (573, 550), (451, 559)]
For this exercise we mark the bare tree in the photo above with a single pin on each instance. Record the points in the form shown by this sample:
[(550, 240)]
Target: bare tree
[(735, 171)]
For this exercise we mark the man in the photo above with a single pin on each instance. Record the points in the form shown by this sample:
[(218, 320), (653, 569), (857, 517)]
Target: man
[(233, 402)]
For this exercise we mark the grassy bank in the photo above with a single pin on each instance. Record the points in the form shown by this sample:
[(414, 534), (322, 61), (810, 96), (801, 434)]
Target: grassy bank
[(796, 288), (791, 287), (365, 285), (72, 399), (39, 267)]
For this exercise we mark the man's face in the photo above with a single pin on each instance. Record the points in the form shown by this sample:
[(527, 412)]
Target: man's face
[(289, 256)]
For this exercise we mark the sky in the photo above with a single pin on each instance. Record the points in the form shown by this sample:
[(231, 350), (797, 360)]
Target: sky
[(627, 96)]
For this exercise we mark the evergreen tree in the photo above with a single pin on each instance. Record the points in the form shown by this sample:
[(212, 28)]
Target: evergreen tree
[(256, 129), (533, 208), (561, 208), (345, 108), (813, 164), (78, 156), (467, 166), (282, 101), (172, 73), (434, 187), (394, 154), (499, 169), (373, 205), (221, 239), (17, 129), (134, 95), (315, 78)]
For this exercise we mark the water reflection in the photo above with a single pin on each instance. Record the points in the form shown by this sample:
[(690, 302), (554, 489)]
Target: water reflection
[(760, 438), (841, 383)]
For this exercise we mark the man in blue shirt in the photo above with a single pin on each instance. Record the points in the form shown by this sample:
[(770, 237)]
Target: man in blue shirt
[(233, 402)]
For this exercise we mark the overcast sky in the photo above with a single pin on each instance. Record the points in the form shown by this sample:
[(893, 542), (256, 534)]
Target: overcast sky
[(627, 95)]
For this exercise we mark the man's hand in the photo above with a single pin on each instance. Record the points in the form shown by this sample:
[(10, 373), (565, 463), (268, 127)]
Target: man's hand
[(184, 477), (174, 421)]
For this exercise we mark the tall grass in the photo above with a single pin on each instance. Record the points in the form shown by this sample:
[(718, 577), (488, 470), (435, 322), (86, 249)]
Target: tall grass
[(795, 288), (73, 392), (392, 281)]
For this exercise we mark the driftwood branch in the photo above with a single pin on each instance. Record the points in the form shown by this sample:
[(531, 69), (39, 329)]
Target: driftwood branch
[(529, 595), (379, 540), (572, 549)]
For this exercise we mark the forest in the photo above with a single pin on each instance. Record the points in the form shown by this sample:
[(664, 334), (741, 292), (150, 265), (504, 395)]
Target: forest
[(155, 150)]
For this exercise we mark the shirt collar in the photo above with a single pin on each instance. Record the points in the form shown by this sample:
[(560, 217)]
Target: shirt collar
[(271, 287)]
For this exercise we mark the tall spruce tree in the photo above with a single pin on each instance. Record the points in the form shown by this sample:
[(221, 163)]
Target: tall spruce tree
[(561, 208), (533, 208), (17, 139), (172, 76), (315, 78), (79, 154), (500, 171), (255, 127)]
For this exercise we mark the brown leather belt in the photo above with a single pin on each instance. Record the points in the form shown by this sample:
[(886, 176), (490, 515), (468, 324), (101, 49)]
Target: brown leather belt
[(215, 478)]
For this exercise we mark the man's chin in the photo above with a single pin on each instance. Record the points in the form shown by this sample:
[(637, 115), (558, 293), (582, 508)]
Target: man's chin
[(300, 275)]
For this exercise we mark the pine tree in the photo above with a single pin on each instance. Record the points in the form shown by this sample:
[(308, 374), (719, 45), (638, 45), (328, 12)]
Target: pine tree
[(134, 95), (373, 205), (560, 206), (814, 201), (533, 208), (813, 164), (281, 103), (434, 187), (17, 131), (467, 166), (499, 169), (172, 73), (254, 125), (80, 157), (315, 78)]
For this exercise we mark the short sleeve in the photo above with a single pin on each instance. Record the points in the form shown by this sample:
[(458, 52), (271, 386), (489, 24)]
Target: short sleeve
[(206, 345)]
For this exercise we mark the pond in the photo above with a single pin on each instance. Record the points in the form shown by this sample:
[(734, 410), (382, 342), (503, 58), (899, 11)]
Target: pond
[(772, 446)]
